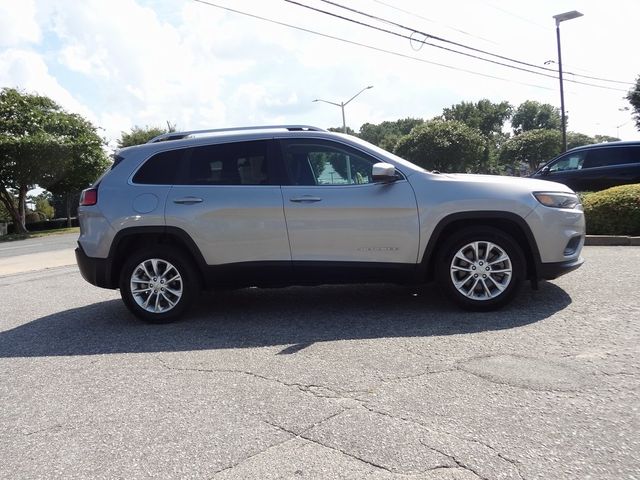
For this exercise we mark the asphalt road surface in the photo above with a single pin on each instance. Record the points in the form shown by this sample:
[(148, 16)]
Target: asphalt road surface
[(375, 382)]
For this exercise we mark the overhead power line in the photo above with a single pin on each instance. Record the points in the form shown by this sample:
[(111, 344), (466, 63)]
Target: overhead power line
[(462, 45), (391, 52), (414, 14), (371, 47), (457, 44), (388, 5)]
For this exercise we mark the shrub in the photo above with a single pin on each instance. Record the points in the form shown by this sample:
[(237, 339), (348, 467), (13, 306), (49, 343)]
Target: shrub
[(33, 217), (615, 211), (46, 225)]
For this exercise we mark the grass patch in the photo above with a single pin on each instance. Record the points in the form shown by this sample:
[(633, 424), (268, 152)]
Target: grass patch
[(45, 233)]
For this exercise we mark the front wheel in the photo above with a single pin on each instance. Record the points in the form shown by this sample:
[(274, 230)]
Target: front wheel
[(481, 268), (159, 285)]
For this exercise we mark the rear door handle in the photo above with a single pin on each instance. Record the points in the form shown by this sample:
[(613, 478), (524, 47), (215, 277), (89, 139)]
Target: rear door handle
[(187, 200), (305, 199)]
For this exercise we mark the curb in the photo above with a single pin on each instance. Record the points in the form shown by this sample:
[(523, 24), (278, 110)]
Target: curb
[(611, 241)]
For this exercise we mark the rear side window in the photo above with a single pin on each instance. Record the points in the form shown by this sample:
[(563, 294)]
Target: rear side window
[(603, 157), (161, 169), (242, 163)]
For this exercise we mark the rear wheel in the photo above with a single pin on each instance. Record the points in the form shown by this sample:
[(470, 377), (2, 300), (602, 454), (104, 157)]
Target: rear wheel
[(158, 285), (481, 268)]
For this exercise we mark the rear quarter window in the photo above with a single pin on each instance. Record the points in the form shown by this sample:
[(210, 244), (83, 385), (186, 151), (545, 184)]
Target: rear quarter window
[(160, 169)]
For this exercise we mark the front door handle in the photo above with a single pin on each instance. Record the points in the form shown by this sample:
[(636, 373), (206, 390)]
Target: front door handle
[(187, 200), (305, 199)]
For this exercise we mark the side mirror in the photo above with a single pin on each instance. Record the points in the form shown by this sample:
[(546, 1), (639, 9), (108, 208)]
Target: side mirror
[(384, 173), (544, 171)]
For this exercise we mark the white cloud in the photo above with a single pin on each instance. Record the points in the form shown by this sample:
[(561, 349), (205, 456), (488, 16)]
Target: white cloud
[(77, 58), (28, 71), (17, 23), (126, 62)]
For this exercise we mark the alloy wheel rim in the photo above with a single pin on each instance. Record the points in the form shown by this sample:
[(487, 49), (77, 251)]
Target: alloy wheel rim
[(156, 285), (481, 270)]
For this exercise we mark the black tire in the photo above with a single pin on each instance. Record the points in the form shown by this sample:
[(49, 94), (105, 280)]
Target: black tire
[(487, 286), (171, 262)]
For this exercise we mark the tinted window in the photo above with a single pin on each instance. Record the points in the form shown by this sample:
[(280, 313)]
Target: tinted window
[(602, 157), (229, 164), (161, 169), (311, 163)]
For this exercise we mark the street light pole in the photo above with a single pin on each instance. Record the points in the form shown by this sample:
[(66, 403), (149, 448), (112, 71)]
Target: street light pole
[(561, 18), (342, 105)]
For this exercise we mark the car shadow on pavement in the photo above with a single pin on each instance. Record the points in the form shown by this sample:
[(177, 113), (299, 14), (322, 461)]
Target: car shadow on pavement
[(293, 317)]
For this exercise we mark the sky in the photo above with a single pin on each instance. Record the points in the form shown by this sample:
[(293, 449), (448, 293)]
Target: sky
[(122, 63)]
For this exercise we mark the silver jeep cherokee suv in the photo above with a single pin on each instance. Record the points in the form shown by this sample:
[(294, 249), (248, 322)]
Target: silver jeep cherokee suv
[(297, 205)]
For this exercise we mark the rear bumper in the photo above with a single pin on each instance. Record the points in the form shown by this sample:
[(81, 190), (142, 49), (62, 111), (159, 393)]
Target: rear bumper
[(96, 271), (549, 271)]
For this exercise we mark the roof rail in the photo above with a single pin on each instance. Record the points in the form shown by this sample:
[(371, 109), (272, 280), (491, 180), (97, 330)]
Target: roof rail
[(180, 135)]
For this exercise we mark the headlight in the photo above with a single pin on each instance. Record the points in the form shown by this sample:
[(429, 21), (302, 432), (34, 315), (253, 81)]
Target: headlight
[(557, 199)]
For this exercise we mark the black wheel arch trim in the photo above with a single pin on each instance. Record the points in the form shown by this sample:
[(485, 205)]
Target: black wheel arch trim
[(180, 234), (434, 240)]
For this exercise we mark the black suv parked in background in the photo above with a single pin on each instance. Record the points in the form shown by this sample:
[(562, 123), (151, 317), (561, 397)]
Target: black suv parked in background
[(595, 167)]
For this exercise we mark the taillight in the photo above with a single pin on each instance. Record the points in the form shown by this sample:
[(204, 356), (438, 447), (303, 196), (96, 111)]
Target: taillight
[(89, 197)]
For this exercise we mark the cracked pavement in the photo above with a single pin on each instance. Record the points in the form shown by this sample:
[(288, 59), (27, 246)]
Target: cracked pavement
[(373, 382)]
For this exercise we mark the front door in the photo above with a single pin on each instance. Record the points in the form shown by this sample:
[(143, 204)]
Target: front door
[(335, 213)]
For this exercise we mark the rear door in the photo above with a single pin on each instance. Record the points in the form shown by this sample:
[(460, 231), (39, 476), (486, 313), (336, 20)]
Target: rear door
[(336, 213), (607, 167), (228, 200)]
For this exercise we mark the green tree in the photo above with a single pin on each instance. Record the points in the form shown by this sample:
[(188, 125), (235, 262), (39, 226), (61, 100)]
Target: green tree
[(575, 139), (350, 131), (532, 147), (532, 115), (37, 138), (4, 212), (42, 205), (634, 99), (446, 146), (605, 138), (488, 118), (386, 134), (87, 160), (139, 135), (484, 115)]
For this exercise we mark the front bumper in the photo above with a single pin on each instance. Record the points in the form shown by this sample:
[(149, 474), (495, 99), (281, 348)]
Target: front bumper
[(96, 271), (549, 271)]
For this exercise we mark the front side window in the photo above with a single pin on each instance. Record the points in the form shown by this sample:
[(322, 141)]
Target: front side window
[(573, 161), (322, 163), (242, 163)]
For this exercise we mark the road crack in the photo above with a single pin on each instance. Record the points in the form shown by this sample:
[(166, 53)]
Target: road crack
[(455, 460), (293, 436), (517, 466), (319, 391)]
